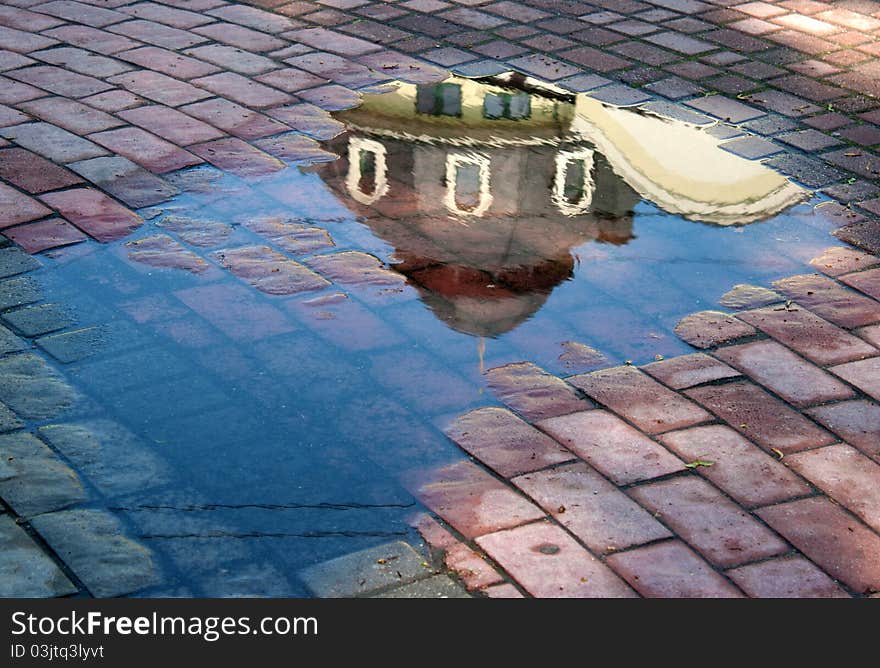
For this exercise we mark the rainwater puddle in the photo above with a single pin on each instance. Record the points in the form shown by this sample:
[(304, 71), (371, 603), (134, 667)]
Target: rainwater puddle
[(271, 355)]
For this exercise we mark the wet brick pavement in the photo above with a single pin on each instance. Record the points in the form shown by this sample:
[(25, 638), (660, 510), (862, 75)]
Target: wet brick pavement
[(750, 467)]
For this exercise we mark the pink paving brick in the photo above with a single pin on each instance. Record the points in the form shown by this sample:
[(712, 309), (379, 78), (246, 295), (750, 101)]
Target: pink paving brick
[(176, 18), (640, 399), (23, 42), (502, 591), (16, 207), (253, 17), (32, 173), (293, 147), (711, 328), (291, 79), (13, 92), (71, 115), (159, 88), (53, 142), (473, 570), (867, 282), (613, 447), (671, 570), (842, 260), (828, 299), (243, 38), (157, 34), (760, 417), (505, 443), (811, 336), (79, 12), (236, 60), (234, 119), (470, 499), (774, 366), (864, 374), (242, 90), (163, 252), (329, 40), (548, 563), (168, 62), (856, 422), (871, 334), (534, 393), (231, 308), (82, 61), (94, 213), (748, 474), (45, 234), (717, 528), (92, 39), (9, 116), (832, 538), (238, 157), (171, 124), (600, 515), (147, 150), (59, 80), (846, 476), (113, 100), (785, 577), (689, 370), (268, 270), (22, 19)]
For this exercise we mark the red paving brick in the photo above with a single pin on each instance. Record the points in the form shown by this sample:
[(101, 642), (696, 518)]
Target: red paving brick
[(94, 213), (640, 399), (242, 90), (760, 417), (234, 119), (534, 393), (867, 282), (71, 115), (159, 87), (689, 370), (749, 475), (238, 157), (785, 577), (32, 173), (505, 443), (671, 570), (168, 62), (16, 207), (856, 422), (830, 300), (600, 515), (147, 150), (716, 527), (711, 328), (811, 336), (774, 366), (473, 570), (548, 563), (171, 124), (616, 449), (864, 374), (45, 234), (832, 538), (471, 500)]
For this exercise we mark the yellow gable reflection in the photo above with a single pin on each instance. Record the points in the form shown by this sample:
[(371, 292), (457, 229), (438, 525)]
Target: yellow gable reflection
[(483, 187)]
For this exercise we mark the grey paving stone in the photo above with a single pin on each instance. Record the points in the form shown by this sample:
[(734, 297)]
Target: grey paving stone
[(481, 68), (581, 83), (112, 458), (39, 319), (366, 571), (678, 113), (33, 390), (770, 124), (14, 260), (73, 346), (809, 172), (620, 95), (8, 420), (439, 586), (19, 292), (94, 545), (125, 180), (33, 479), (751, 148), (25, 570), (9, 342), (724, 108), (724, 131), (864, 234)]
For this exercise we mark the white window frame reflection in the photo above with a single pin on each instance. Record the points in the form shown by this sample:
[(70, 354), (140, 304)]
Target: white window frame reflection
[(453, 162), (357, 145), (564, 159)]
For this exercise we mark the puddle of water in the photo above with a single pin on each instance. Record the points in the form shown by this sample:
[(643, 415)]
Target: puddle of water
[(275, 353)]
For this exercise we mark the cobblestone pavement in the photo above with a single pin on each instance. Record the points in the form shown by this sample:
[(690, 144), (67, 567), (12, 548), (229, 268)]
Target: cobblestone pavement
[(748, 468)]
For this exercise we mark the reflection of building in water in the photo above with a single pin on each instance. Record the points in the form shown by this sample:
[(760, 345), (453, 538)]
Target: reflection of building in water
[(483, 188)]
